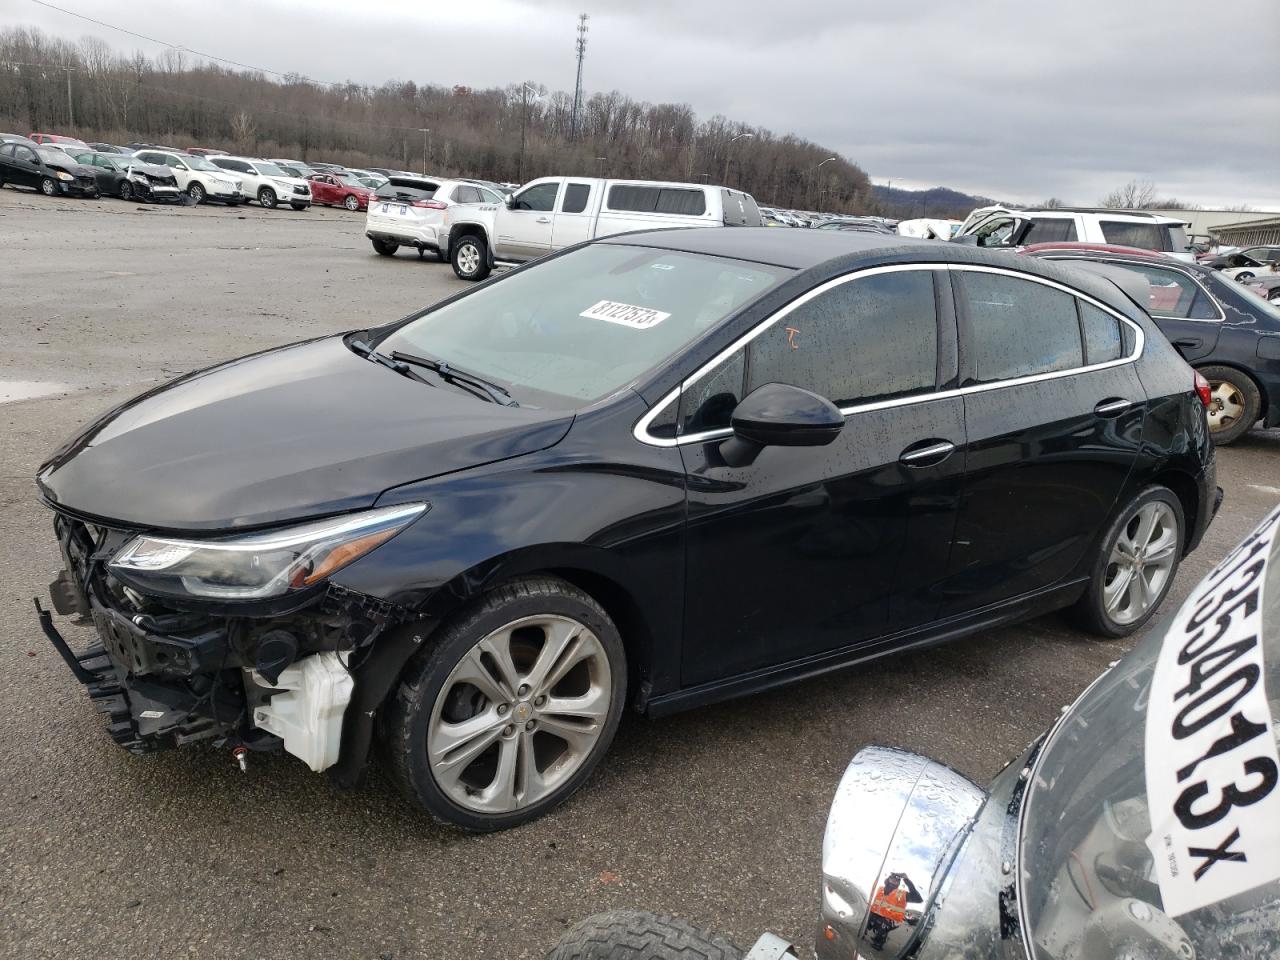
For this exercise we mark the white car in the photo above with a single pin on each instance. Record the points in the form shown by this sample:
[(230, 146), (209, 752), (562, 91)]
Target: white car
[(1011, 227), (410, 212), (267, 183), (196, 176)]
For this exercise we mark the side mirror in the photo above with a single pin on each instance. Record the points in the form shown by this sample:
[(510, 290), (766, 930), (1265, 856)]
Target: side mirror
[(510, 201), (779, 415)]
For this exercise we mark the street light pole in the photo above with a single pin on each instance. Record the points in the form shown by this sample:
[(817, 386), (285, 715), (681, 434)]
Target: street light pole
[(524, 123), (601, 160), (741, 136), (814, 176), (426, 147)]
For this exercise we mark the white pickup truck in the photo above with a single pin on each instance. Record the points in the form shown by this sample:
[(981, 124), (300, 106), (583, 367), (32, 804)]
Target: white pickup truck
[(556, 212)]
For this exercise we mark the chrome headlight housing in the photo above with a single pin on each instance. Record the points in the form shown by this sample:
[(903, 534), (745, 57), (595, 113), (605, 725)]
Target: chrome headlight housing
[(262, 565)]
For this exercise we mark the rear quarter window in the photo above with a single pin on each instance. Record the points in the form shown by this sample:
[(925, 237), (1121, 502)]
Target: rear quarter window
[(672, 200)]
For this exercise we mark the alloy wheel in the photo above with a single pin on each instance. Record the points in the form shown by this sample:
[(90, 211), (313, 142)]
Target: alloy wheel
[(468, 258), (47, 187), (352, 203), (1226, 405), (1141, 562), (519, 714)]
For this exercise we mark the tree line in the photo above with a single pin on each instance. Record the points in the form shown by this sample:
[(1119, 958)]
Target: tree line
[(516, 133)]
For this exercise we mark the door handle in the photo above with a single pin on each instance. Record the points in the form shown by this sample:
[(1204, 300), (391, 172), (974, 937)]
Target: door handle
[(1113, 407), (543, 220), (1190, 342), (932, 452)]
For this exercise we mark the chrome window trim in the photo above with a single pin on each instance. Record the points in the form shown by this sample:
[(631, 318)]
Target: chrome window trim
[(641, 428), (1220, 318)]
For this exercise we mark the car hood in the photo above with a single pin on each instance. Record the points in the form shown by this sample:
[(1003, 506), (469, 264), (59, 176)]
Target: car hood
[(74, 168), (299, 431), (150, 169)]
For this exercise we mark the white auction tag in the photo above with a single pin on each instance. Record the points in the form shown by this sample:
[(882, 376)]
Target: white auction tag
[(1211, 761), (640, 318)]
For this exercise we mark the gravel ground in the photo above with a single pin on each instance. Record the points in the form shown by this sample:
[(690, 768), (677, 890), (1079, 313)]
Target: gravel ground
[(715, 815)]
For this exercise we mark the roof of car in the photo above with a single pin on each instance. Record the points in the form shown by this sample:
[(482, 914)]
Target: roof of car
[(1116, 255), (1069, 246), (840, 251)]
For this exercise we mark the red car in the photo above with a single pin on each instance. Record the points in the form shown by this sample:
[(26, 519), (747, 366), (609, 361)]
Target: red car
[(57, 140), (330, 190)]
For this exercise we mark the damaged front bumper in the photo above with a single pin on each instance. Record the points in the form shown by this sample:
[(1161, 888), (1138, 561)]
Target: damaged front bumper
[(306, 678)]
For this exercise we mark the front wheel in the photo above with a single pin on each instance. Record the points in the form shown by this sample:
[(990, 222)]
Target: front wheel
[(471, 258), (635, 935), (512, 706), (1135, 566), (1235, 403), (352, 202), (267, 197), (196, 192), (48, 187), (126, 191)]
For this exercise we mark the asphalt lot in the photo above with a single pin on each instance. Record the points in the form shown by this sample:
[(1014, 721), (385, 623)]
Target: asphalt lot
[(715, 815)]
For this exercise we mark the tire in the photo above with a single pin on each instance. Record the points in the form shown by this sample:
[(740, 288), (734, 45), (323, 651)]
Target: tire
[(1235, 406), (196, 191), (1273, 297), (298, 206), (1242, 277), (470, 257), (48, 187), (267, 197), (126, 191), (1134, 605), (516, 764), (634, 935), (385, 247), (352, 202)]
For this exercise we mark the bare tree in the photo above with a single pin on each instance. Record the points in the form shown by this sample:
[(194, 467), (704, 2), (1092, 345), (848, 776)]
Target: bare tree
[(243, 130), (1053, 203), (1134, 195)]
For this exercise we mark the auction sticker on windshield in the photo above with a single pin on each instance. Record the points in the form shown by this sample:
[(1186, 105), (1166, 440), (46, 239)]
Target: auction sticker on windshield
[(641, 318), (1211, 762)]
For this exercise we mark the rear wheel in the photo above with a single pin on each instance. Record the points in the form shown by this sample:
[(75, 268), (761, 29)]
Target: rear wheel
[(1136, 564), (635, 935), (48, 187), (195, 190), (385, 247), (267, 197), (511, 707), (1235, 403), (471, 258), (352, 202)]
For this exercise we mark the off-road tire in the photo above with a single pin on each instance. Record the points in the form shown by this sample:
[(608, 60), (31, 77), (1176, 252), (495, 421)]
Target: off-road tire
[(385, 247), (460, 252), (405, 719), (634, 935), (1090, 612), (1249, 394), (267, 198), (196, 191)]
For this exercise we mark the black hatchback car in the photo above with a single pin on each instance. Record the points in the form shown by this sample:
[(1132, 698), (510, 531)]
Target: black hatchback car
[(46, 169), (1228, 333), (656, 470)]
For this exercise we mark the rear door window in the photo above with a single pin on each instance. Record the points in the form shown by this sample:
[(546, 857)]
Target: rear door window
[(1016, 327), (1174, 294), (1051, 230), (575, 198)]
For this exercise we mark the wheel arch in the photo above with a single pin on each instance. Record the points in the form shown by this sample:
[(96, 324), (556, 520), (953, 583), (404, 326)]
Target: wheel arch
[(593, 570), (1184, 488)]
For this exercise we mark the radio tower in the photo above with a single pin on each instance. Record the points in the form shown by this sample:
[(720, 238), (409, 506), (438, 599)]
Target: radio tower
[(577, 89)]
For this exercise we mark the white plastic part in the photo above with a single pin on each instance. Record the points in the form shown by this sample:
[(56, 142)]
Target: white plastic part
[(308, 715)]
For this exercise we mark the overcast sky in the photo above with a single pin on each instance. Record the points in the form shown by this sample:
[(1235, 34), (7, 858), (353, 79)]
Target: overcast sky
[(1014, 99)]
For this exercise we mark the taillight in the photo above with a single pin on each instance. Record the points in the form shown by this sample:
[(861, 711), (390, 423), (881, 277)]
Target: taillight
[(431, 204), (1203, 390)]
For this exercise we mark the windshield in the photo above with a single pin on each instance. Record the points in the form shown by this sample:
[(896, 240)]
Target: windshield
[(1153, 815), (200, 163), (580, 326), (50, 155), (270, 170)]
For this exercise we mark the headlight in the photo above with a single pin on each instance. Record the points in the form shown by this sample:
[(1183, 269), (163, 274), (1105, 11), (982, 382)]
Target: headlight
[(63, 175), (261, 565)]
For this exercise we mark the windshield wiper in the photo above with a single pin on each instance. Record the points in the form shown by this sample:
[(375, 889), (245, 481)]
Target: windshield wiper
[(452, 374), (369, 353)]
